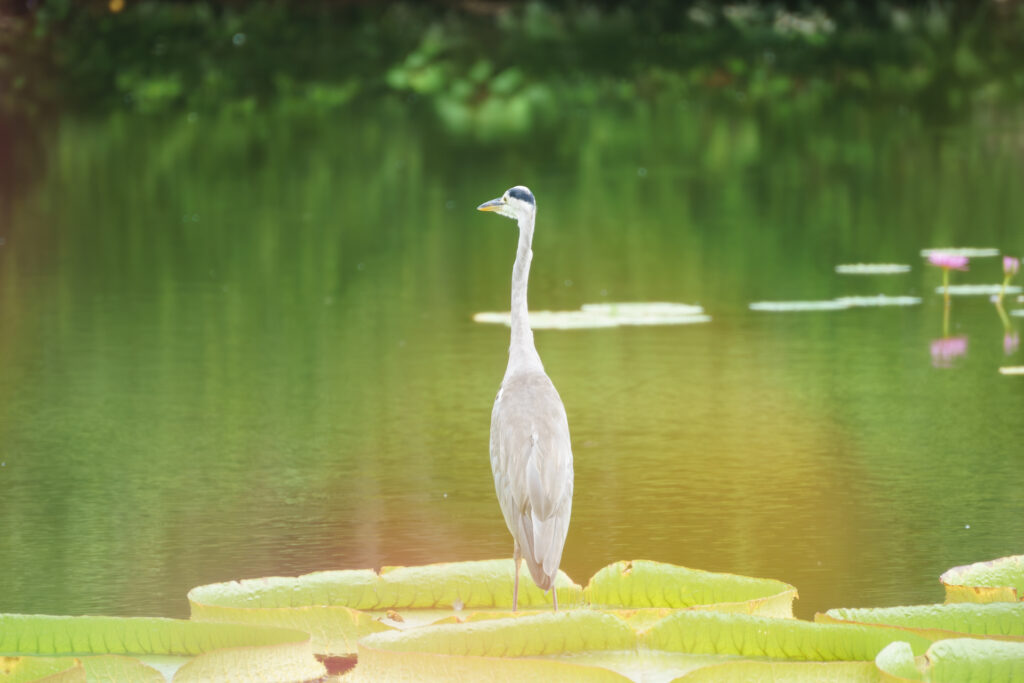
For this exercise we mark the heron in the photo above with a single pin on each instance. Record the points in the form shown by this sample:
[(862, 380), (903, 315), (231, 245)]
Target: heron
[(531, 455)]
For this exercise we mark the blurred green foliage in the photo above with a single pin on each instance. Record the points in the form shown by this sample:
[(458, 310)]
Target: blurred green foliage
[(493, 70)]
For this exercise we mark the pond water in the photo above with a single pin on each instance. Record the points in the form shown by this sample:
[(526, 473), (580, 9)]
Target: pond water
[(244, 347)]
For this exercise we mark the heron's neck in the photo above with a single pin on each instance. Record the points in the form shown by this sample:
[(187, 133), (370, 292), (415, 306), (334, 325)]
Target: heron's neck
[(522, 354)]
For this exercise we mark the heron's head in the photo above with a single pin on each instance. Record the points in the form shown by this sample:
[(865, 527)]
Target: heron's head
[(516, 203)]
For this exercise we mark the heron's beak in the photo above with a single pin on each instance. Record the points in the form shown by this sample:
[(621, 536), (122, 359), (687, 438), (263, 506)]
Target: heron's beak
[(493, 205)]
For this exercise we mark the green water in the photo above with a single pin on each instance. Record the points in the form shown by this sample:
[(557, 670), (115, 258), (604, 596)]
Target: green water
[(238, 348)]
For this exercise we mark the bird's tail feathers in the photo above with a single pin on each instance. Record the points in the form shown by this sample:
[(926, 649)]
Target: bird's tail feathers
[(544, 551)]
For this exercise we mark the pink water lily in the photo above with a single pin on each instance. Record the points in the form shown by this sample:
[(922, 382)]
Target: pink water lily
[(1011, 264), (947, 261)]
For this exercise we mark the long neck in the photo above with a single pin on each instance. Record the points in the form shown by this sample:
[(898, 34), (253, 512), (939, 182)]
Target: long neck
[(522, 354)]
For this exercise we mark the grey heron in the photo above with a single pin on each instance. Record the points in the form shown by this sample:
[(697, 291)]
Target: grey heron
[(531, 455)]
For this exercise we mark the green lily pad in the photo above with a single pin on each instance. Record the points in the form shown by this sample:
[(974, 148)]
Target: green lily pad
[(587, 644), (978, 290), (872, 268), (340, 607), (839, 304), (970, 252), (786, 639), (791, 672), (642, 583), (1000, 580), (953, 661), (50, 669), (606, 315), (213, 651), (1003, 621)]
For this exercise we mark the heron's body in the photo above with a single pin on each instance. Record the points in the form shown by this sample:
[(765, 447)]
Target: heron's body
[(531, 454)]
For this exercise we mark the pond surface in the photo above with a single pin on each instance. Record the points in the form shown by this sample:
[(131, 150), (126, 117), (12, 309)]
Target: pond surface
[(244, 347)]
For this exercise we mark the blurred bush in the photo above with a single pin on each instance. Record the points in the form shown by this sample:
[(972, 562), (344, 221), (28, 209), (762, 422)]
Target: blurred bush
[(491, 70)]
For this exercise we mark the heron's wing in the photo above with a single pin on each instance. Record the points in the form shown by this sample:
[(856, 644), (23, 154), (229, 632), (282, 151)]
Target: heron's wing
[(531, 458)]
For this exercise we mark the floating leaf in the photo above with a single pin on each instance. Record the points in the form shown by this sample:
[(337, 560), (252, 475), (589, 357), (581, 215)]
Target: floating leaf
[(606, 315), (642, 583), (787, 306), (872, 268), (879, 300), (122, 668), (790, 639), (791, 672), (217, 651), (977, 290), (1000, 580), (50, 669), (591, 645), (551, 320), (839, 304), (338, 607), (492, 649), (654, 308), (954, 660), (970, 252), (1000, 620)]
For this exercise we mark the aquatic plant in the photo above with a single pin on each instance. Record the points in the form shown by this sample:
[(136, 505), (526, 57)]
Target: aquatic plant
[(632, 621), (947, 262), (1011, 264)]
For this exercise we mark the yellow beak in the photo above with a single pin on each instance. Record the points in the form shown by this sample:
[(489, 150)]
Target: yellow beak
[(492, 205)]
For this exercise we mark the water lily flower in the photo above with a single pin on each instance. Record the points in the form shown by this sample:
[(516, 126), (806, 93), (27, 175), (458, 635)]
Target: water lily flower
[(947, 349), (947, 261), (1011, 264)]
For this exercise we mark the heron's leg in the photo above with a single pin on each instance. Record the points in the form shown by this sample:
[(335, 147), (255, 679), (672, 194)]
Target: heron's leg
[(554, 595), (517, 558)]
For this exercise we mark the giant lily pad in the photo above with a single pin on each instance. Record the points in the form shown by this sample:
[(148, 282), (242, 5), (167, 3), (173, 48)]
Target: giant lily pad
[(643, 583), (591, 645), (953, 661), (50, 669), (1000, 580), (206, 651), (1002, 621), (338, 608)]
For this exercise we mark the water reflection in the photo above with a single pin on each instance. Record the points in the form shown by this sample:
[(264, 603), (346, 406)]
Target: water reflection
[(1011, 342), (947, 349)]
